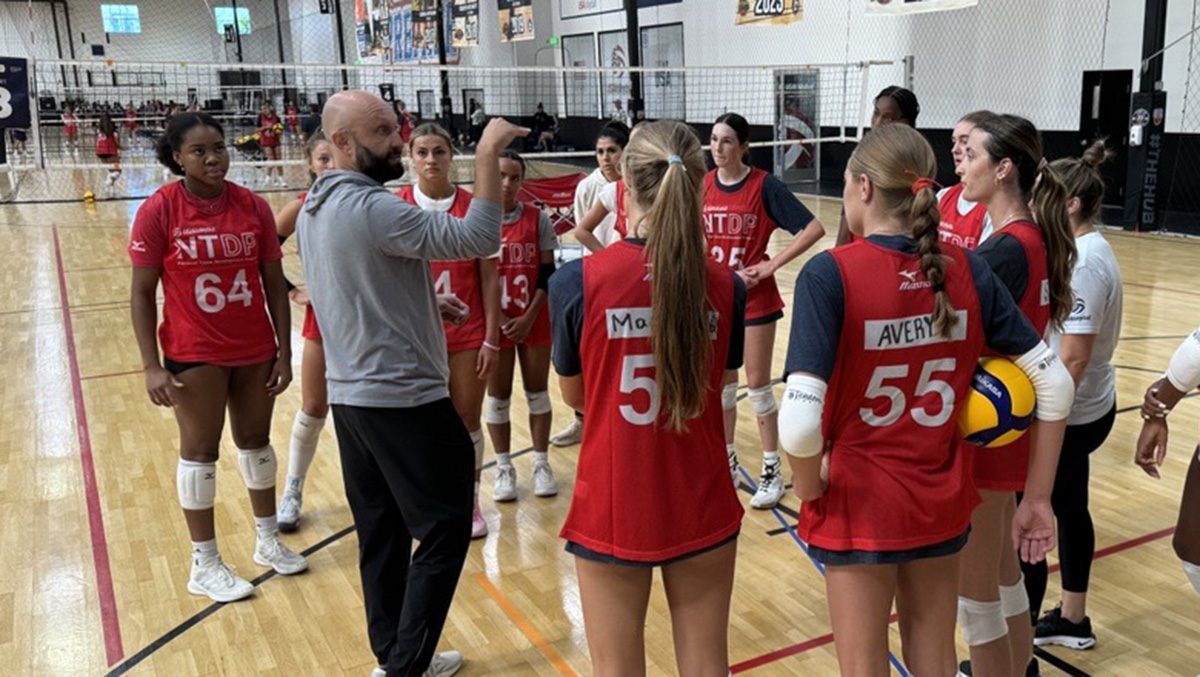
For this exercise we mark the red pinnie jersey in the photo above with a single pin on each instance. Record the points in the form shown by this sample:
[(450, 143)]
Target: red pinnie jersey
[(961, 230), (621, 224), (268, 136), (519, 269), (460, 278), (738, 229), (629, 462), (209, 253), (898, 479)]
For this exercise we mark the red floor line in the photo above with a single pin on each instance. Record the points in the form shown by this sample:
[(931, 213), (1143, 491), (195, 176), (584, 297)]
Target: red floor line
[(109, 620), (817, 642)]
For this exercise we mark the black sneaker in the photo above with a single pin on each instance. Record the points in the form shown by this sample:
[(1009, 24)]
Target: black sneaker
[(1032, 670), (1052, 628)]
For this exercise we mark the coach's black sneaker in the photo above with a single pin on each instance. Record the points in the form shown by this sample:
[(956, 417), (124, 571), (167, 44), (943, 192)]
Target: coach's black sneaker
[(1052, 628), (1032, 670)]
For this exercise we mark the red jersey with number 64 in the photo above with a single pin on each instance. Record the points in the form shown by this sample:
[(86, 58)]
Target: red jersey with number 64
[(209, 252), (632, 466), (460, 278), (898, 479), (738, 229)]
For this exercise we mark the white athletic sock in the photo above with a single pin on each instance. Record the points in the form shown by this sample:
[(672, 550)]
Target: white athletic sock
[(266, 527), (204, 550), (477, 440), (770, 457), (1193, 574), (540, 457), (306, 432), (504, 460)]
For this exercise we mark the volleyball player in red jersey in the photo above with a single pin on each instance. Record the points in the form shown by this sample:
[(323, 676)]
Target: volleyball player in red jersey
[(964, 223), (885, 335), (131, 123), (213, 245), (268, 138), (108, 149), (71, 127), (644, 334), (314, 403), (743, 206), (475, 344), (1032, 251), (526, 263), (291, 119)]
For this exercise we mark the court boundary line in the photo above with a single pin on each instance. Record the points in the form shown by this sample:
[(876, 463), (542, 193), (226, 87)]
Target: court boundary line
[(110, 621), (527, 628)]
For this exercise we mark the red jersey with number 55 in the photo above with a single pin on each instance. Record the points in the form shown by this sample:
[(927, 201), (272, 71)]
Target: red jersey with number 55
[(519, 268), (210, 252), (898, 479), (460, 278), (738, 229), (642, 491)]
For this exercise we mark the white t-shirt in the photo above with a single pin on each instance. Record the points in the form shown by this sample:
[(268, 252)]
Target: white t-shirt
[(1096, 286), (431, 205), (586, 194)]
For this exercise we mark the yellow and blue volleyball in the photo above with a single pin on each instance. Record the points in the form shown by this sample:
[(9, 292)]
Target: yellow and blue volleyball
[(1000, 404)]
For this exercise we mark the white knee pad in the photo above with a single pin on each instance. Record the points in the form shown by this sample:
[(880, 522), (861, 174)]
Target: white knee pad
[(729, 396), (1193, 574), (495, 410), (762, 401), (258, 467), (539, 403), (981, 622), (1014, 600), (197, 484)]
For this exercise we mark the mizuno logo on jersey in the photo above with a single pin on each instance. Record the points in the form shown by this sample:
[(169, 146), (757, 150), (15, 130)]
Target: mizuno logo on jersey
[(911, 282), (909, 332), (631, 323), (138, 246)]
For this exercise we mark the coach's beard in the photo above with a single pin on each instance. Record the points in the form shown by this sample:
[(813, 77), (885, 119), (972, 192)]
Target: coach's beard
[(381, 168)]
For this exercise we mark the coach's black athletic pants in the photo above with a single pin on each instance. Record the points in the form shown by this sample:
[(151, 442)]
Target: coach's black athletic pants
[(409, 473), (1076, 535)]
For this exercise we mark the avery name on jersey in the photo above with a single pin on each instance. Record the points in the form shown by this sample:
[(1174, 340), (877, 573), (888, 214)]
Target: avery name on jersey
[(717, 222), (211, 246), (909, 332), (631, 323)]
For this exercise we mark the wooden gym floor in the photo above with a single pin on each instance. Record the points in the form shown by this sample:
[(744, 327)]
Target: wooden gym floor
[(94, 552)]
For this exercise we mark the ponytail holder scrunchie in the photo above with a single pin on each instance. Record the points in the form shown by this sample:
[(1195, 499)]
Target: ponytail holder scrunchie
[(1043, 164), (674, 160), (921, 184)]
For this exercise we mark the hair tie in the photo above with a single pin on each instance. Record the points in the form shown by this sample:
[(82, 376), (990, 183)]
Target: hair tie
[(939, 287), (674, 160), (1043, 164), (922, 183)]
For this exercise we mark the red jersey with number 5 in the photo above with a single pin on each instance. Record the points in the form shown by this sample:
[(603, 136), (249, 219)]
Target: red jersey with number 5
[(210, 253), (897, 478), (1004, 468), (738, 229), (460, 278), (638, 482), (961, 230), (520, 264)]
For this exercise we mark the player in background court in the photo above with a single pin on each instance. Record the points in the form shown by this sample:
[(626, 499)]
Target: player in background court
[(225, 338), (743, 207), (964, 223), (269, 131)]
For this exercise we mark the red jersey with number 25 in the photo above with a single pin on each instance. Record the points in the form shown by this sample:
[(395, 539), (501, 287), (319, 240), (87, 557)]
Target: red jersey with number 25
[(460, 278), (632, 498), (1005, 468), (520, 264), (738, 229), (209, 253), (961, 230), (897, 477)]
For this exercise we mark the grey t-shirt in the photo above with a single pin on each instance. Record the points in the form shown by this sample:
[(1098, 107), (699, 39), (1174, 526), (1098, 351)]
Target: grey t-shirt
[(366, 259), (1096, 285)]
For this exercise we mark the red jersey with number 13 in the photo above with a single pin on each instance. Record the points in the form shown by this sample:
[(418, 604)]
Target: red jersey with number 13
[(739, 228), (209, 253), (898, 479)]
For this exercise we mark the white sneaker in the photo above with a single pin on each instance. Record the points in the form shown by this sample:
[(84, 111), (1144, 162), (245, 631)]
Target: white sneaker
[(569, 436), (379, 672), (289, 511), (734, 468), (479, 527), (444, 664), (280, 182), (770, 487), (273, 553), (544, 485), (216, 580), (505, 488)]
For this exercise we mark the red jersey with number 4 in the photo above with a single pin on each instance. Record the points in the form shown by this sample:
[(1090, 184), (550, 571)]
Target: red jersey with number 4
[(962, 230), (738, 230), (210, 253), (1005, 468), (460, 278), (898, 479), (642, 491), (520, 263)]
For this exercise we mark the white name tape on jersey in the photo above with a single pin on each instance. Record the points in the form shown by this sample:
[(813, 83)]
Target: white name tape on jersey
[(630, 323), (909, 332)]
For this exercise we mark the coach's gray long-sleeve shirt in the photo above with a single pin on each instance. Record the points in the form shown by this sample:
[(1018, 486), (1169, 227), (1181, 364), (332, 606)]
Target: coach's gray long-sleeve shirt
[(366, 259)]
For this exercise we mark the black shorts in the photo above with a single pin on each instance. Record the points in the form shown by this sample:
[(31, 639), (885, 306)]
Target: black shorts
[(602, 558), (765, 319), (180, 367), (848, 557)]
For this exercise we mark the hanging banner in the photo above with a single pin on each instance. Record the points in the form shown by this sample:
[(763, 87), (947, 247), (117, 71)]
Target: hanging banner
[(424, 22), (769, 12), (414, 31), (14, 93), (371, 29), (465, 32), (516, 20), (916, 6)]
